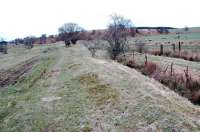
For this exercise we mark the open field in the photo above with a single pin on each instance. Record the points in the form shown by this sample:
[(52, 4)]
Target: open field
[(185, 36), (68, 90), (179, 64), (191, 41), (20, 54)]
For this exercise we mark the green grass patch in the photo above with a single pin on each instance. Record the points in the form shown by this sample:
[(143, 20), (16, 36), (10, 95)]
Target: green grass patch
[(170, 37), (19, 110)]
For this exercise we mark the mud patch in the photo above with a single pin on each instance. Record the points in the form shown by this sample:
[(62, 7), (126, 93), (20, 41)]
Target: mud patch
[(11, 76)]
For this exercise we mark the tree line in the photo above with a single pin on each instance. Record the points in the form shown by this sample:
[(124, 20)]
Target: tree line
[(119, 28)]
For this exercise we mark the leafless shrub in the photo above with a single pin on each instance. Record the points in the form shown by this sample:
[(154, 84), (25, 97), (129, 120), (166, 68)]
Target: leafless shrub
[(118, 31), (93, 50), (3, 47), (69, 32), (93, 45), (149, 68), (132, 64), (186, 28), (43, 39), (167, 53), (29, 42)]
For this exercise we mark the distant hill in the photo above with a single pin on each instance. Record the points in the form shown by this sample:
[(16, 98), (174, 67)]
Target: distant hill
[(155, 27), (190, 29)]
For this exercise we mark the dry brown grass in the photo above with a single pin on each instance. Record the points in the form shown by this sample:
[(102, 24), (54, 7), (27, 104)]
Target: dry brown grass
[(101, 93), (184, 85), (182, 55), (146, 69), (149, 68)]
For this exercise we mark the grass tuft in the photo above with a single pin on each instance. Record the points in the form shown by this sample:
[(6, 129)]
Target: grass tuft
[(102, 94)]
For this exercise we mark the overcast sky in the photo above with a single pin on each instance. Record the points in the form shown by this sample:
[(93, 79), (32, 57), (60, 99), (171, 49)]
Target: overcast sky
[(20, 18)]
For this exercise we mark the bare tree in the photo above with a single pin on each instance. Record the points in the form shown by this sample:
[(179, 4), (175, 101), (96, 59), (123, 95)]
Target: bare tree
[(18, 41), (186, 28), (29, 42), (69, 32), (43, 39), (118, 31), (3, 46)]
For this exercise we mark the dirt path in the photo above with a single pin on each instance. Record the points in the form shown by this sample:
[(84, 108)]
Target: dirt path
[(50, 98)]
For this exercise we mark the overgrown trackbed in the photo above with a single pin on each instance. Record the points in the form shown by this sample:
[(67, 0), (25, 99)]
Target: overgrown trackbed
[(100, 95), (54, 75), (81, 93)]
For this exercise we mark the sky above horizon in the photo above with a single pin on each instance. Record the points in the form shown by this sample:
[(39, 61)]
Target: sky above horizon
[(20, 18)]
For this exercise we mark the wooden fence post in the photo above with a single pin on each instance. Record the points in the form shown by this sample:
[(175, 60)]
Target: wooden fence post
[(179, 46), (187, 78), (161, 49), (174, 48), (146, 60), (133, 54), (171, 72)]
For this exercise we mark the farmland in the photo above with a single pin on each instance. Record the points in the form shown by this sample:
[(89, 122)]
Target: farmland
[(191, 41)]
